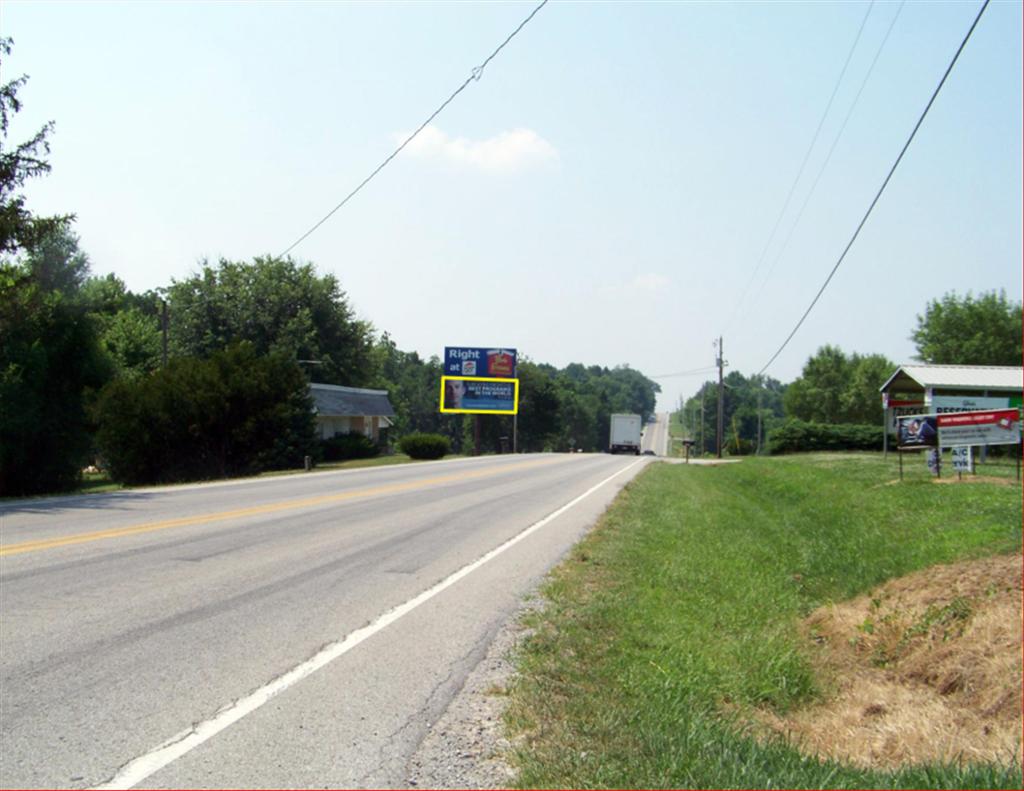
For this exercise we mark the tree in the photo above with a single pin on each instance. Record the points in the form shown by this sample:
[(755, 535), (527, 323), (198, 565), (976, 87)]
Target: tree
[(56, 261), (231, 414), (127, 324), (19, 228), (816, 396), (744, 399), (970, 331), (861, 401), (279, 307), (49, 362), (836, 388), (49, 358)]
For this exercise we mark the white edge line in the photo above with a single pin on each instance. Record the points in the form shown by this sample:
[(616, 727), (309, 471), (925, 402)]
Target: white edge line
[(138, 769)]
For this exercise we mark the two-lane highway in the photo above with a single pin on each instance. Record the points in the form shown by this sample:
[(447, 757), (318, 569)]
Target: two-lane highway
[(285, 632), (655, 435)]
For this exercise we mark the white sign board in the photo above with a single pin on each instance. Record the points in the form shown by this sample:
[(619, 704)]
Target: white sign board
[(942, 404), (998, 427), (933, 460), (962, 459)]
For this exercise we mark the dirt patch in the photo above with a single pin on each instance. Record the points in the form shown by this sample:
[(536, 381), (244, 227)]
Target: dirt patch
[(979, 479), (924, 668)]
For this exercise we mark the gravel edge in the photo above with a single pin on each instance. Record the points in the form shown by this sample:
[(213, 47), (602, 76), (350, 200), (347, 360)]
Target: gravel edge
[(466, 747)]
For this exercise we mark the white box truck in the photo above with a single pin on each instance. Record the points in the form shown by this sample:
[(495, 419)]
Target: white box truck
[(625, 434)]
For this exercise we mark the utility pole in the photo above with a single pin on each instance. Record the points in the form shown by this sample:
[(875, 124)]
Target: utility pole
[(759, 417), (703, 387), (163, 327), (721, 400)]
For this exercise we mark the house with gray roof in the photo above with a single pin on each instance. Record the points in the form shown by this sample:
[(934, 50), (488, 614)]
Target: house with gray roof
[(341, 410)]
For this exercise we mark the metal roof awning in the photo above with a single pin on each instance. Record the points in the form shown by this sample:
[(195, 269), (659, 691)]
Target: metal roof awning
[(999, 378)]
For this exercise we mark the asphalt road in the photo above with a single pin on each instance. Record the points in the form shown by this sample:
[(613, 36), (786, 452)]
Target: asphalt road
[(655, 435), (246, 634)]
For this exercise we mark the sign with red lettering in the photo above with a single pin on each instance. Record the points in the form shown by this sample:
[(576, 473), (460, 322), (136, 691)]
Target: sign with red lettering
[(988, 427)]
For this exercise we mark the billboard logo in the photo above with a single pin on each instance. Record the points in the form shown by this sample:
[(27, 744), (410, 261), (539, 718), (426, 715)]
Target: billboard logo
[(475, 361), (500, 364)]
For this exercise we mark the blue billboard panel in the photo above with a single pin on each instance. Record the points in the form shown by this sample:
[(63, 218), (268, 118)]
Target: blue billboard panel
[(485, 363), (476, 395)]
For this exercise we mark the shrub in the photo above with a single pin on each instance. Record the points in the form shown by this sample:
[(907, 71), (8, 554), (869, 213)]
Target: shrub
[(798, 435), (349, 446), (233, 414), (425, 446)]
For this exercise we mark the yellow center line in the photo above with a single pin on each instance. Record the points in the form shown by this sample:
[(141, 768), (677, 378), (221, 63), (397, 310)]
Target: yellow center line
[(260, 510)]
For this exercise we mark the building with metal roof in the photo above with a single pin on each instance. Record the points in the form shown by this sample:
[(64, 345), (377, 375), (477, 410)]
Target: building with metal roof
[(342, 410), (934, 379), (935, 389)]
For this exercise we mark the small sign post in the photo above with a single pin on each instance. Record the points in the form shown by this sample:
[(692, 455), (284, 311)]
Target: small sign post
[(962, 460)]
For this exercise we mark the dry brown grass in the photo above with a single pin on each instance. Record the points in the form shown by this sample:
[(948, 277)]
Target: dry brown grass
[(924, 668)]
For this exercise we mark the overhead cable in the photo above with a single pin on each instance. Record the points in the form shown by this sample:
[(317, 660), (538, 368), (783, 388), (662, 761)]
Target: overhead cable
[(473, 77), (881, 189), (694, 372), (803, 164), (828, 157)]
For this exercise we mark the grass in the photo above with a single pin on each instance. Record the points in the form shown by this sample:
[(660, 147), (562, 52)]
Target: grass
[(677, 431), (679, 613)]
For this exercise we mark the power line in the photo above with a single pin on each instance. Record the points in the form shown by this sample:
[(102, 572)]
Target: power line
[(474, 76), (803, 164), (694, 372), (881, 189), (828, 157)]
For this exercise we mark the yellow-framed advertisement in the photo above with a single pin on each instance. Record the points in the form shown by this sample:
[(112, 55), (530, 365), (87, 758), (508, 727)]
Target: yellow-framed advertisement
[(479, 395)]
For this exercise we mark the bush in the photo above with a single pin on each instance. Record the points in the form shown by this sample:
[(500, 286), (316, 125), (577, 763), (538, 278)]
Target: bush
[(233, 414), (798, 435), (425, 446), (353, 445)]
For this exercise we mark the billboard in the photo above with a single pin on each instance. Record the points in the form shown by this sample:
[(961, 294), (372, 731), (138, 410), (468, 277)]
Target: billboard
[(990, 427), (479, 362), (918, 431), (478, 395)]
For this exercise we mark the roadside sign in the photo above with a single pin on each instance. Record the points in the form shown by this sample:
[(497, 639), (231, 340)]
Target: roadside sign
[(940, 405), (480, 362), (900, 408), (933, 460), (962, 459), (918, 431), (990, 427), (478, 395)]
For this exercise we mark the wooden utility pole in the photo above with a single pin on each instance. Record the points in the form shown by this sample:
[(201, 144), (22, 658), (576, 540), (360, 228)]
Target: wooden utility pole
[(163, 326), (721, 401), (703, 387), (759, 388)]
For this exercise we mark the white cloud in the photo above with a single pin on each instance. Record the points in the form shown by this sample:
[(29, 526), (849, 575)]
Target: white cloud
[(505, 152)]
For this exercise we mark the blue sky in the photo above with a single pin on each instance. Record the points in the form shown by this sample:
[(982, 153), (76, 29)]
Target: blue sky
[(603, 194)]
